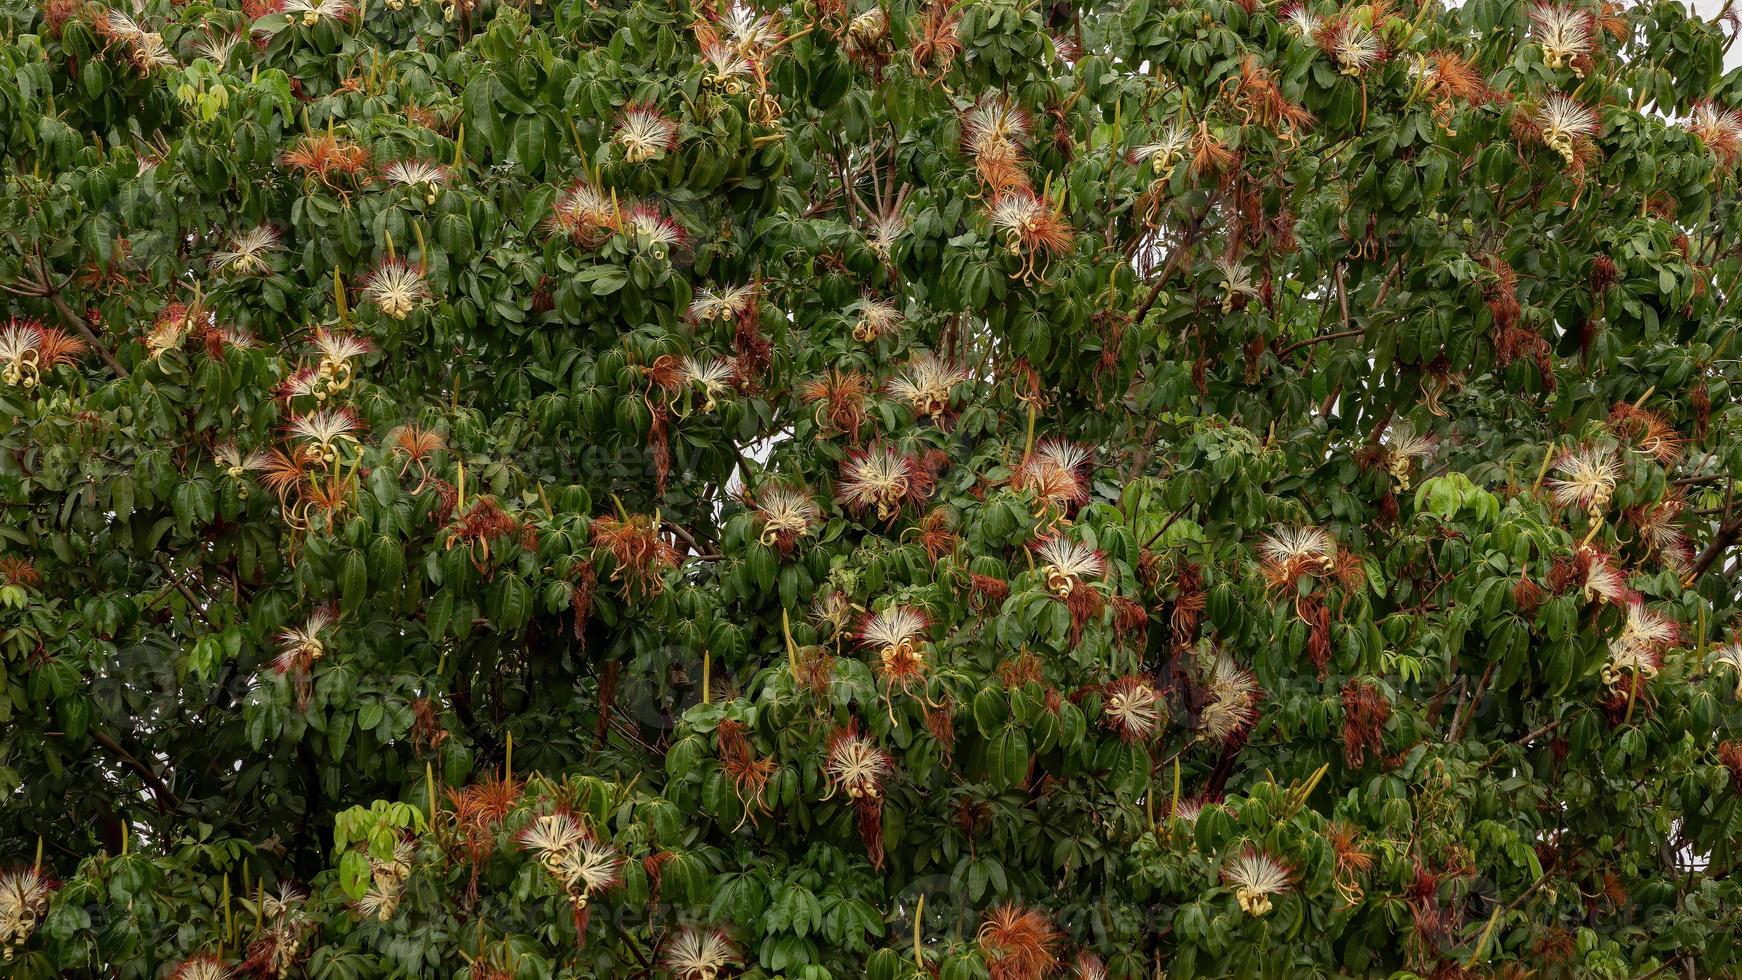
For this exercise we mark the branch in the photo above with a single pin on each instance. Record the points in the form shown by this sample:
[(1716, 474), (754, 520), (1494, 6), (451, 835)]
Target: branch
[(161, 793), (1321, 339), (1727, 534)]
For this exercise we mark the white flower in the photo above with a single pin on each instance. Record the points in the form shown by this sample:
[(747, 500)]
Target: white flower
[(1256, 876)]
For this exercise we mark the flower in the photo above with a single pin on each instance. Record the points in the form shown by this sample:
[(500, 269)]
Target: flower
[(727, 68), (397, 288), (1065, 563), (1256, 876), (299, 647), (582, 213), (337, 351), (993, 126), (884, 230), (897, 634), (1403, 447), (1585, 478), (855, 765), (1169, 147), (1031, 228), (1237, 285), (721, 305), (1563, 33), (1647, 433), (1638, 649), (883, 478), (750, 31), (203, 967), (876, 318), (1301, 19), (1355, 47), (235, 464), (1230, 698), (1287, 553), (925, 384), (550, 837), (695, 954), (1730, 655), (1601, 581), (1019, 943), (326, 429), (1132, 708), (653, 231), (1563, 123), (645, 133), (590, 866), (1088, 966), (312, 12), (640, 554), (1719, 128), (23, 900), (1056, 472), (786, 514), (420, 176), (712, 376), (27, 348), (247, 251)]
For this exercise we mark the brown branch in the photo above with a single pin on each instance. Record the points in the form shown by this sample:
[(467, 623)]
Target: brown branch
[(1321, 339), (1727, 534), (160, 792)]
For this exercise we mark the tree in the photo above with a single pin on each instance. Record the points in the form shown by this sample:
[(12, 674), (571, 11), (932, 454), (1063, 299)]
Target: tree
[(960, 488)]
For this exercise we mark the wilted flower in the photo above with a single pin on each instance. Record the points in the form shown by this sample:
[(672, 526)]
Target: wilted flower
[(640, 554), (696, 954), (1256, 876), (247, 251), (1132, 708), (839, 397), (645, 133), (925, 384), (1647, 433), (1019, 943), (322, 156)]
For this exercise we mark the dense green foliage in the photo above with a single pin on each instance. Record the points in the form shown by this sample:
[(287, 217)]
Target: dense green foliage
[(962, 489)]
